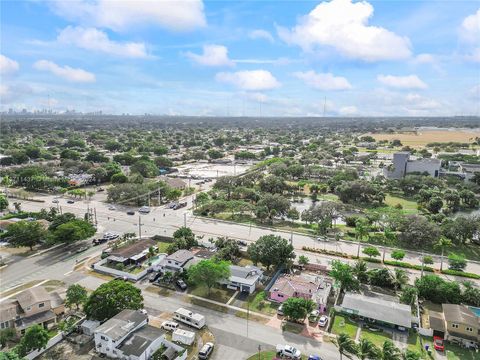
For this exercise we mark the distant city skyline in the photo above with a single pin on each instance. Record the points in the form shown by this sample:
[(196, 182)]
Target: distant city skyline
[(252, 58)]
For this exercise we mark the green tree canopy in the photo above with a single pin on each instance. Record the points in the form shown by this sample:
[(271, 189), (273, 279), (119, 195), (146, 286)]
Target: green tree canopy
[(73, 231), (26, 233), (35, 338), (271, 250), (76, 295), (111, 298), (209, 272), (297, 308)]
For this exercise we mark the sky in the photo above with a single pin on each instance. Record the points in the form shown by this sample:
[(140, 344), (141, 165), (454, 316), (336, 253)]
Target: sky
[(242, 58)]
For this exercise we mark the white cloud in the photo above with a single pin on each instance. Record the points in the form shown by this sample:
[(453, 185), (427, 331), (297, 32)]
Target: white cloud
[(97, 40), (120, 15), (213, 55), (424, 59), (470, 28), (66, 72), (344, 26), (261, 34), (470, 35), (256, 96), (323, 81), (251, 80), (7, 65), (402, 82), (348, 110)]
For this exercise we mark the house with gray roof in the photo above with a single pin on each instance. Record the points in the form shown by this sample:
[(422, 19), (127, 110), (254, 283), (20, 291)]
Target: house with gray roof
[(177, 261), (243, 278), (377, 308), (128, 336)]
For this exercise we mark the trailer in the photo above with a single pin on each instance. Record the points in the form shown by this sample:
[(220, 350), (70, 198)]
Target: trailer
[(183, 336), (187, 317)]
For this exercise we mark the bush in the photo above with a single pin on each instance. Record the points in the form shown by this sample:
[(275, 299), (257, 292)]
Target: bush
[(351, 221), (461, 273)]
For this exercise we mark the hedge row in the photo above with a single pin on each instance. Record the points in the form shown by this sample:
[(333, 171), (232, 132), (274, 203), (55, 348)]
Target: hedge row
[(408, 266), (461, 273)]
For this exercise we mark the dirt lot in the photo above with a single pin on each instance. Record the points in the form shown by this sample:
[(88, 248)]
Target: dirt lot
[(423, 137)]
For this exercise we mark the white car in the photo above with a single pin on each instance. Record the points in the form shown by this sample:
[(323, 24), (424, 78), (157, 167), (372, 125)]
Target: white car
[(323, 321), (205, 351), (289, 352), (170, 325), (111, 207)]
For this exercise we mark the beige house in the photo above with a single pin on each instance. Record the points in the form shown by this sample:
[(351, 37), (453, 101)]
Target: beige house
[(461, 325), (30, 307)]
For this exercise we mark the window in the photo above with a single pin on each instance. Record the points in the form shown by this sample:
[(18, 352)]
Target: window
[(29, 308), (41, 305), (4, 325), (468, 328), (455, 326)]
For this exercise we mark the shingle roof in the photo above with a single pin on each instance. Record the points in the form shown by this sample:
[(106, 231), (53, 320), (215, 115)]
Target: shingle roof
[(377, 308), (460, 314), (245, 275), (180, 256), (290, 285), (136, 248), (8, 311), (140, 340), (32, 296), (121, 324)]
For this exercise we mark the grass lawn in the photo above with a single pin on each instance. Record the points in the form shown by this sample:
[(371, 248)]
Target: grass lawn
[(455, 352), (162, 246), (245, 262), (207, 305), (408, 206), (417, 343), (216, 294), (259, 303), (342, 324), (378, 338)]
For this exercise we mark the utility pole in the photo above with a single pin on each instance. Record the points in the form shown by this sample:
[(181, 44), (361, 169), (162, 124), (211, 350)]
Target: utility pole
[(291, 237), (248, 313), (95, 211), (139, 227), (184, 219)]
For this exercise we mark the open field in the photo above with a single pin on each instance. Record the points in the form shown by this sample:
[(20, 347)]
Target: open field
[(423, 137)]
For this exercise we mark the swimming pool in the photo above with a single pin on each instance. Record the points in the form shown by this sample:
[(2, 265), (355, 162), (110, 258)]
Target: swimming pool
[(475, 310)]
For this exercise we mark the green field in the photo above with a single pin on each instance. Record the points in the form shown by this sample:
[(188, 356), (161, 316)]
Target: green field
[(408, 206), (342, 324), (378, 338)]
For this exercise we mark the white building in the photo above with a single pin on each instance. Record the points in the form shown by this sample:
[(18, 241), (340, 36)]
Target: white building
[(243, 279), (128, 336), (402, 165), (176, 261)]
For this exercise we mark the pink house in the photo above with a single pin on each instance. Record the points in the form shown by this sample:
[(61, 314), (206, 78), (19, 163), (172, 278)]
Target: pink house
[(314, 288)]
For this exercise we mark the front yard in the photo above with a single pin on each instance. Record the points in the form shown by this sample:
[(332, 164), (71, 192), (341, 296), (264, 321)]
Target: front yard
[(216, 294), (455, 352), (258, 302), (377, 337), (342, 324)]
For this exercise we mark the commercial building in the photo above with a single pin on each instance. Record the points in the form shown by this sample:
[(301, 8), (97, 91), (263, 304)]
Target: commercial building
[(402, 165)]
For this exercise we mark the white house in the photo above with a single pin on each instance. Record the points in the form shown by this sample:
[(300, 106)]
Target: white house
[(176, 261), (128, 336), (244, 279)]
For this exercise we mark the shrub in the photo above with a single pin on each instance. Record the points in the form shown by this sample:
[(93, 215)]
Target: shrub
[(461, 273)]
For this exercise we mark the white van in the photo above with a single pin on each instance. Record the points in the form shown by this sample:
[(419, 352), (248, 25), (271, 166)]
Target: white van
[(189, 318), (170, 325)]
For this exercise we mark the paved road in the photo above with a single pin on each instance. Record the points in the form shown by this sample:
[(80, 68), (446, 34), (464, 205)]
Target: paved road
[(166, 221)]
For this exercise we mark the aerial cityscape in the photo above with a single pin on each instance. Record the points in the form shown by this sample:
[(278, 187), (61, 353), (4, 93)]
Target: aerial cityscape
[(244, 180)]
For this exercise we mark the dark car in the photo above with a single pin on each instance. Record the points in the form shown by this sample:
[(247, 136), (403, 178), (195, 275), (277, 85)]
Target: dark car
[(130, 212), (242, 243), (154, 276), (181, 284), (179, 205), (70, 202), (96, 242)]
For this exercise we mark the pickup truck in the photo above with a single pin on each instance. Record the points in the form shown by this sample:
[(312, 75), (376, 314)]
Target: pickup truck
[(289, 352)]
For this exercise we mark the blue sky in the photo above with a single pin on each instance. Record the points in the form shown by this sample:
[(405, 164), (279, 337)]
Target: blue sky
[(270, 58)]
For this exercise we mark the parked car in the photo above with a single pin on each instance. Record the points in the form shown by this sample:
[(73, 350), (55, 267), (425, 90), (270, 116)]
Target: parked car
[(70, 202), (96, 242), (314, 357), (130, 212), (181, 284), (242, 243), (144, 210), (280, 310), (179, 205), (438, 343), (55, 201), (205, 351), (154, 276), (323, 321), (313, 316), (171, 205), (170, 325), (288, 352), (111, 207)]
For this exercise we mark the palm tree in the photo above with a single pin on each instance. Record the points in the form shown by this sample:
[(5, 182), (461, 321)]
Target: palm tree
[(411, 355), (389, 236), (399, 278), (390, 351), (346, 346), (368, 350), (442, 243), (360, 271), (362, 229)]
